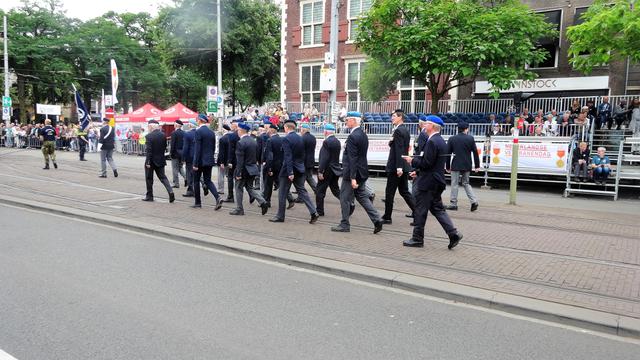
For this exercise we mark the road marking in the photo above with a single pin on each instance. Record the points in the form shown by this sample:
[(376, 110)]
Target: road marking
[(5, 356), (349, 280)]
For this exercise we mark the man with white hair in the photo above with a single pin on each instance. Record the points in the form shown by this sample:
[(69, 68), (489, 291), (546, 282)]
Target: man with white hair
[(355, 174), (329, 168), (430, 164)]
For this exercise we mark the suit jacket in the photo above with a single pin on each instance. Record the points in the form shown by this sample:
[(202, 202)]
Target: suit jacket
[(398, 146), (246, 153), (108, 142), (223, 150), (354, 157), (274, 154), (330, 156), (261, 141), (155, 148), (187, 145), (177, 138), (293, 160), (233, 141), (579, 155), (204, 146), (309, 142), (462, 146), (430, 165), (419, 144)]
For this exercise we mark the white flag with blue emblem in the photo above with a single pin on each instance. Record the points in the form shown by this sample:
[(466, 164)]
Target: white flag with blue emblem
[(83, 114)]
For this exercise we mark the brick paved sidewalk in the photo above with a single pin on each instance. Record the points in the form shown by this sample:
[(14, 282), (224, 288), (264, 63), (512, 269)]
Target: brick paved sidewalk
[(545, 250)]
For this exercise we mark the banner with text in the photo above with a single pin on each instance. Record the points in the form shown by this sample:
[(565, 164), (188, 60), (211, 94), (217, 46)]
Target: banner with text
[(533, 158)]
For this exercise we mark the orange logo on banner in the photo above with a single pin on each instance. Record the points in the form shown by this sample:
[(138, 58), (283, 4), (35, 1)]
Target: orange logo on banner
[(496, 152)]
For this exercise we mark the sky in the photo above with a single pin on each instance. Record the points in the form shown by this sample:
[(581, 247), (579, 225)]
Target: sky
[(88, 9)]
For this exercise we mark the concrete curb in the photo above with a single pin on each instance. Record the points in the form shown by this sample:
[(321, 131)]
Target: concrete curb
[(544, 310)]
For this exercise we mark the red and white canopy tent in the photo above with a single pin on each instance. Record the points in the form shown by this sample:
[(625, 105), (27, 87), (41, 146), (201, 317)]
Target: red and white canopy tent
[(178, 112), (142, 115)]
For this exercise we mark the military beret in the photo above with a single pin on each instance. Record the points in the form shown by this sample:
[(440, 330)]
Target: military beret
[(203, 117), (103, 120), (179, 122), (422, 118), (354, 114), (329, 127), (153, 122), (273, 126), (193, 122), (291, 121), (463, 125), (244, 126), (306, 126), (435, 119), (226, 127)]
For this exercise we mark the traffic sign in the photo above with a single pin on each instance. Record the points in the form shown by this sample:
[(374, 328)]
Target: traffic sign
[(219, 99), (6, 101), (212, 106), (212, 92), (6, 113)]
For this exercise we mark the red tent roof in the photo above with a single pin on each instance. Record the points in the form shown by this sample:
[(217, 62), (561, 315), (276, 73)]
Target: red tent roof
[(178, 111), (143, 114)]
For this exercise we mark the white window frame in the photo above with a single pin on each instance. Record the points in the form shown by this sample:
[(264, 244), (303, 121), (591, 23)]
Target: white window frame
[(310, 92), (557, 57), (413, 89), (359, 61), (312, 24), (350, 39)]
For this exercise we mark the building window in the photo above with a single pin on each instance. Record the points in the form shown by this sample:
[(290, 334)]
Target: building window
[(551, 45), (354, 74), (413, 95), (310, 83), (356, 9), (311, 22)]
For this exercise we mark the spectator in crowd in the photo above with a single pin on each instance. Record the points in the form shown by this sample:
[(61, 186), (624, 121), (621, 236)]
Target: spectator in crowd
[(582, 124), (580, 162), (604, 114), (93, 139), (601, 166), (528, 118), (564, 128), (9, 135), (593, 111), (634, 125), (495, 130), (343, 113), (550, 125), (507, 127), (492, 119), (554, 114), (537, 123), (538, 131), (575, 109), (621, 114)]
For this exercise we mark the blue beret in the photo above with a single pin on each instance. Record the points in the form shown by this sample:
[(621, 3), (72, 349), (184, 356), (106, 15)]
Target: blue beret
[(203, 117), (330, 127), (193, 122), (422, 117), (226, 127), (272, 126), (463, 125), (306, 126), (244, 126), (354, 114), (435, 119)]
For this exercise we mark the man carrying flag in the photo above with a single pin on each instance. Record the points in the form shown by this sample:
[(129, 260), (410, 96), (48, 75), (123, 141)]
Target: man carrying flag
[(83, 120)]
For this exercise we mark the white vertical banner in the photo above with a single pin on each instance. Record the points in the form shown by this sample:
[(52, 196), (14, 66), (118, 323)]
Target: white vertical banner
[(114, 80), (102, 106)]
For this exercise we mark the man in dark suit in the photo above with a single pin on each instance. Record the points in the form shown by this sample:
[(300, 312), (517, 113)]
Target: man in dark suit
[(223, 155), (176, 159), (187, 154), (397, 168), (231, 157), (273, 157), (204, 146), (354, 174), (155, 162), (309, 142), (246, 170), (261, 141), (462, 146), (108, 144), (292, 171), (329, 168), (429, 164)]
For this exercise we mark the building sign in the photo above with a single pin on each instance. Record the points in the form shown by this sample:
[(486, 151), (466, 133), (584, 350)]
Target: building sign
[(551, 84), (47, 109)]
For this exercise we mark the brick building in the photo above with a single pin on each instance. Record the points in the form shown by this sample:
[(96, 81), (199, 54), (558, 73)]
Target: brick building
[(305, 39)]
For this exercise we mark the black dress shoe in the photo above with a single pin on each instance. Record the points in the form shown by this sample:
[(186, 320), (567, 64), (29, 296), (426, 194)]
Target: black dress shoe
[(83, 159), (265, 208), (147, 199), (176, 186), (377, 227), (276, 219), (452, 207), (115, 173), (205, 190), (185, 183), (100, 176), (314, 218), (454, 240), (298, 201), (412, 223), (229, 199), (291, 204), (340, 229), (172, 197), (189, 194), (47, 168), (320, 213), (236, 212), (196, 206), (372, 197), (409, 215), (474, 206), (218, 204), (251, 200), (413, 243), (387, 221)]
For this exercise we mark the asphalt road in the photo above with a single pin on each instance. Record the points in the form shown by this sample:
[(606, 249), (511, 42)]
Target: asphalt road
[(76, 290)]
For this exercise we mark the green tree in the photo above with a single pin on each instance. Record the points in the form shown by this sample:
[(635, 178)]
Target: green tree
[(610, 32), (449, 43)]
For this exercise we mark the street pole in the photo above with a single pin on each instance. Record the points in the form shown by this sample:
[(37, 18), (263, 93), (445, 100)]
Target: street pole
[(220, 92), (333, 49), (6, 63), (513, 186)]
